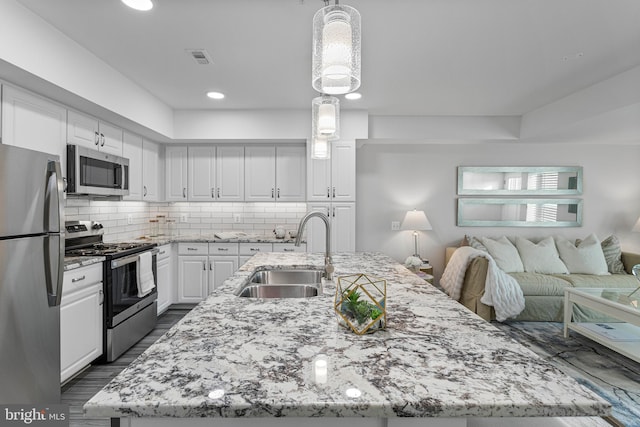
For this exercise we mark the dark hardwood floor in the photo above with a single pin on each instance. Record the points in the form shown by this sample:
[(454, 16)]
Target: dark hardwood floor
[(81, 388)]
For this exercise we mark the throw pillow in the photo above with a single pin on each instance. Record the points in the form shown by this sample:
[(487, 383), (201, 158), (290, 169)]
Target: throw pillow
[(612, 254), (540, 258), (585, 258), (504, 254), (475, 243)]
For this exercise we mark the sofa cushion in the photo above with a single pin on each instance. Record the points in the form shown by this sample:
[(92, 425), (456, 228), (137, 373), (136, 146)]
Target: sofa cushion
[(541, 284), (542, 257), (585, 258), (613, 254), (504, 254), (594, 281)]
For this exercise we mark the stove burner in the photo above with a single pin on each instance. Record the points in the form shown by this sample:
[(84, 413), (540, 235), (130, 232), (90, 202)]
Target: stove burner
[(104, 249)]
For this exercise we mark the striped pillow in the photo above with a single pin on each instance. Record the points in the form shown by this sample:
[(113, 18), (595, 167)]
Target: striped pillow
[(612, 254)]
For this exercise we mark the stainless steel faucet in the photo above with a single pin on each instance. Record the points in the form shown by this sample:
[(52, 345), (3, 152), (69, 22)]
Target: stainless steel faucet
[(328, 264)]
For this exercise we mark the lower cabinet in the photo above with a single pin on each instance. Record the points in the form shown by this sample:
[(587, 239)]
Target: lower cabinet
[(193, 278), (165, 277), (81, 317), (220, 268)]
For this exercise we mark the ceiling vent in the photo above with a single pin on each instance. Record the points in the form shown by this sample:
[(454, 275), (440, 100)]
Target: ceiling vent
[(201, 56)]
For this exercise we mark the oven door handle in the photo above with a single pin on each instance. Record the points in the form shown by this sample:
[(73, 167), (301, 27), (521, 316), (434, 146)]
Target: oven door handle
[(116, 263)]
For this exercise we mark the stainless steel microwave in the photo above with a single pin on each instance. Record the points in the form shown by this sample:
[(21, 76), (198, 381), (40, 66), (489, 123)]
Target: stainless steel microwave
[(94, 172)]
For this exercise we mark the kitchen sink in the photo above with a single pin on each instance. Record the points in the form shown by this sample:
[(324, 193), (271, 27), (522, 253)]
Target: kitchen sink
[(294, 283)]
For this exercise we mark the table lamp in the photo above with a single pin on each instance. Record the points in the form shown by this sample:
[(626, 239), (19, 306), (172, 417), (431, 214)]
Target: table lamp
[(417, 221)]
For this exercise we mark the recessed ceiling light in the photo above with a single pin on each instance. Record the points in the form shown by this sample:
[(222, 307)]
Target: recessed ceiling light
[(353, 96), (215, 95), (143, 5)]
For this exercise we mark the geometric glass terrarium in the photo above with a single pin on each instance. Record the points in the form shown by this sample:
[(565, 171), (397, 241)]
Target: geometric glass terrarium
[(360, 303)]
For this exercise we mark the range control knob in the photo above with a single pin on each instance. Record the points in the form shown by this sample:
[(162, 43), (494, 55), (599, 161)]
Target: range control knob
[(97, 226)]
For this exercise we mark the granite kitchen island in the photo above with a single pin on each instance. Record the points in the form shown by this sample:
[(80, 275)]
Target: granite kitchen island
[(238, 361)]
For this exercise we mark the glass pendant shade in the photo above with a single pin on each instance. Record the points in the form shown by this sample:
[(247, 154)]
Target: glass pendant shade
[(336, 50), (325, 117), (320, 148)]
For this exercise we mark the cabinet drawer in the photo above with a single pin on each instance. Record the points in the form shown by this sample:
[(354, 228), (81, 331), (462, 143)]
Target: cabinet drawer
[(223, 248), (80, 278), (164, 252), (289, 247), (254, 248), (193, 248)]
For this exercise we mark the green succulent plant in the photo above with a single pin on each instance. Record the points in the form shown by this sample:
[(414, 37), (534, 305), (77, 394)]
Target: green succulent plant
[(360, 310)]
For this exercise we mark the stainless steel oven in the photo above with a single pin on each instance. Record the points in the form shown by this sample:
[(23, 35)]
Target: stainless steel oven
[(94, 172)]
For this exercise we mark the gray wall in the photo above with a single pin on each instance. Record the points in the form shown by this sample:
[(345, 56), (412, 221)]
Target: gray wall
[(393, 178)]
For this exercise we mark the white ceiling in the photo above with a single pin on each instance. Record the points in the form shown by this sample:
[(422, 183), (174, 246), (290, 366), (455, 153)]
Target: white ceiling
[(420, 57)]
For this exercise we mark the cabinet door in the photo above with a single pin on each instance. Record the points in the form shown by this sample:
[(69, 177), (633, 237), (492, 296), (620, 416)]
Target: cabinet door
[(230, 174), (83, 130), (132, 150), (165, 273), (29, 121), (150, 171), (319, 179), (221, 268), (80, 329), (315, 229), (343, 171), (110, 139), (291, 173), (176, 173), (343, 227), (192, 278), (260, 174), (202, 173)]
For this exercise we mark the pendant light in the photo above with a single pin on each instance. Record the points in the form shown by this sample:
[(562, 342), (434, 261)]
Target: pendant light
[(326, 117), (320, 148), (336, 49)]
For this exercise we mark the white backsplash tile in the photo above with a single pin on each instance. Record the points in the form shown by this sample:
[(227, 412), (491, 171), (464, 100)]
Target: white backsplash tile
[(127, 220)]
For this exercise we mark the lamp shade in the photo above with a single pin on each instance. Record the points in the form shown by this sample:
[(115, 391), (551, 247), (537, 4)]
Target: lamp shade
[(416, 220), (325, 120), (636, 227), (320, 148), (336, 50)]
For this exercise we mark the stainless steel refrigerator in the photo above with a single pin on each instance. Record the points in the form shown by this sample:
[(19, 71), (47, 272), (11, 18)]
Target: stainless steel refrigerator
[(31, 269)]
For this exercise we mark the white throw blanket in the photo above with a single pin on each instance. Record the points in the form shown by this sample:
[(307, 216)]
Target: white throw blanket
[(501, 290)]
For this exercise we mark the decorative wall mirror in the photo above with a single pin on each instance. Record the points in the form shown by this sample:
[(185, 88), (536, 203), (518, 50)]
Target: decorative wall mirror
[(513, 181), (487, 212)]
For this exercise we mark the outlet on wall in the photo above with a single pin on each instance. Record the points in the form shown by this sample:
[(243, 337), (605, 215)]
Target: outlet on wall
[(129, 219), (183, 218), (395, 225), (237, 218)]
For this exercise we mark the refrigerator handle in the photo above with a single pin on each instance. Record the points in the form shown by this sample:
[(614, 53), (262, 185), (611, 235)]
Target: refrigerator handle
[(54, 256)]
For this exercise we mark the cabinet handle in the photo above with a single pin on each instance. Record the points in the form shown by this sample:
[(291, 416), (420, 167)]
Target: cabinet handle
[(254, 249), (328, 192), (288, 250), (278, 193), (78, 279), (192, 249), (272, 191), (184, 192), (204, 266), (212, 193), (334, 212), (218, 192), (210, 266), (144, 191), (162, 252), (66, 184), (101, 293), (334, 192), (97, 138), (102, 140), (223, 249)]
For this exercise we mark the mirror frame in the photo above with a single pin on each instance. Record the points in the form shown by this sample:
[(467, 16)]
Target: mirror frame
[(520, 169), (462, 222)]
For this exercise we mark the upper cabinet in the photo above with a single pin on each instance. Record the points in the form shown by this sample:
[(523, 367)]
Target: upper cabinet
[(334, 179), (275, 173), (144, 161), (89, 132), (215, 173), (35, 123), (152, 183), (176, 173), (132, 150)]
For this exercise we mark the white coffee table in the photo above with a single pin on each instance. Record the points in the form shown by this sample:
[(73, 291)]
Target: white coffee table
[(622, 337)]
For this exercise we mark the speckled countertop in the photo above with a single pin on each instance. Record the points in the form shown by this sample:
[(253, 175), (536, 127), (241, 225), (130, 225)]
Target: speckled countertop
[(242, 357), (163, 240), (73, 262)]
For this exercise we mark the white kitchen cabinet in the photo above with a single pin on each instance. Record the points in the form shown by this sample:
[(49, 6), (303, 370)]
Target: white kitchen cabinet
[(334, 179), (132, 150), (165, 279), (275, 173), (220, 268), (291, 173), (151, 177), (289, 247), (342, 217), (89, 132), (81, 316), (35, 123), (215, 173), (193, 275), (176, 173)]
